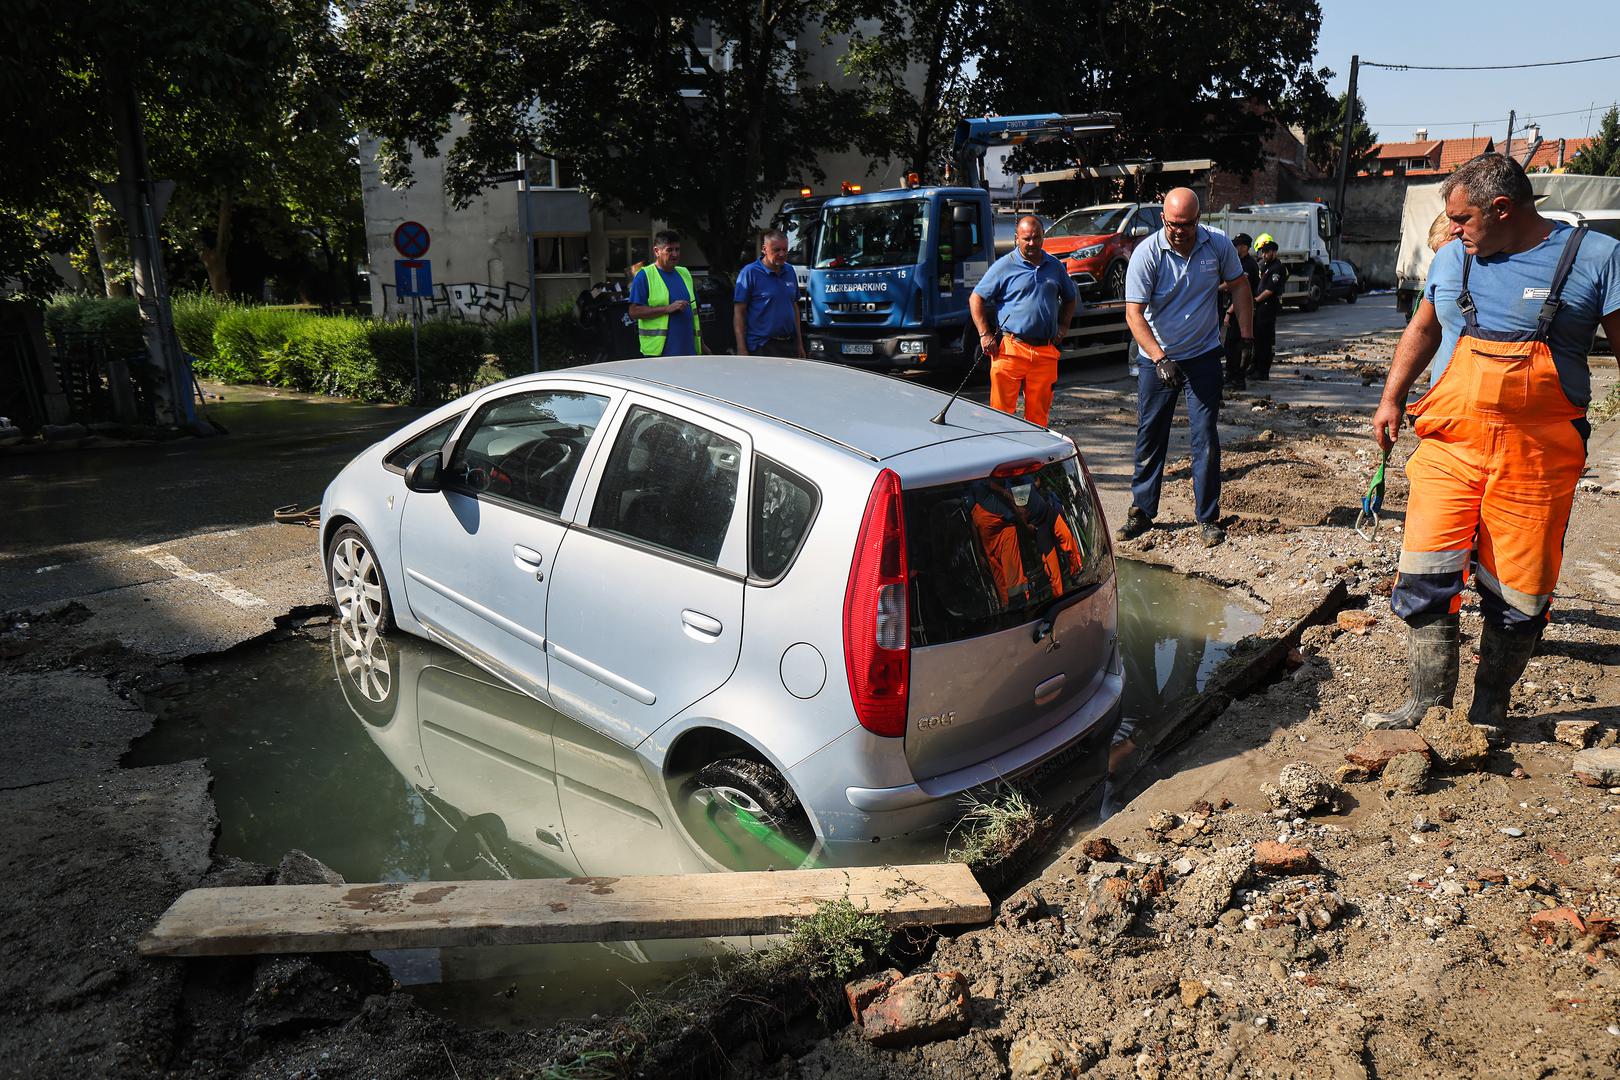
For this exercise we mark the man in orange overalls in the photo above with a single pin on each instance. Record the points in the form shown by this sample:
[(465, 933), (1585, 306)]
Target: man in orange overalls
[(1022, 308), (1502, 430)]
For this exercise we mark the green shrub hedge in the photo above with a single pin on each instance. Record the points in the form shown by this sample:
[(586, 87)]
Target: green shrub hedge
[(331, 354)]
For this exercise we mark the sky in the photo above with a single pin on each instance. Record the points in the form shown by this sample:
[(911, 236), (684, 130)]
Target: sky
[(1458, 104)]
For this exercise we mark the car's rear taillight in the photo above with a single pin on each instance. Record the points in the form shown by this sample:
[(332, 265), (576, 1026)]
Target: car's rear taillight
[(877, 634)]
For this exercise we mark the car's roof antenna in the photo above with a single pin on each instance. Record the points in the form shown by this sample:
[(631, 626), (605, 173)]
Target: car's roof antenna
[(978, 355)]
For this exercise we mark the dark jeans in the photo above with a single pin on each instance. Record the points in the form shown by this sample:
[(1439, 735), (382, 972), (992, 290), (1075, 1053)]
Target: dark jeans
[(1234, 354), (1265, 343), (787, 348), (1156, 407)]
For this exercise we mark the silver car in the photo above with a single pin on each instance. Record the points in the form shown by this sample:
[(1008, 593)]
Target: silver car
[(782, 583)]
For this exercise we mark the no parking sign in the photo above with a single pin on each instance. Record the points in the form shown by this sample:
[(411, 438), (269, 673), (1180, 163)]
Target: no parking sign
[(411, 239)]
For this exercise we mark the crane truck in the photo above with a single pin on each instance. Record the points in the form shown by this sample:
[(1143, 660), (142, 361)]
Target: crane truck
[(893, 270)]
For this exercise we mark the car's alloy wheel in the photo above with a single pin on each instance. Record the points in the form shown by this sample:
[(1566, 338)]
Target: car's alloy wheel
[(358, 589), (367, 671), (1114, 282)]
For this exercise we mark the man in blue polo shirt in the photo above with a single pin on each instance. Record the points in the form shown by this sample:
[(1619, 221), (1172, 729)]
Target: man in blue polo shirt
[(765, 308), (1170, 307), (1022, 308)]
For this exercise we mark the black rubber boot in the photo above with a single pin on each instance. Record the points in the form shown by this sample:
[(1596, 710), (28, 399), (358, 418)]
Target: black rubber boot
[(1502, 659), (1431, 652)]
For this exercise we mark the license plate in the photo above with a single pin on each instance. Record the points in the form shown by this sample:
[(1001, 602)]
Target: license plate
[(858, 348)]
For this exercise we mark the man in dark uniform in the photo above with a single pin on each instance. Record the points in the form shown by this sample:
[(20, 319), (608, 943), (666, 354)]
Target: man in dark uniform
[(1267, 303), (1234, 334)]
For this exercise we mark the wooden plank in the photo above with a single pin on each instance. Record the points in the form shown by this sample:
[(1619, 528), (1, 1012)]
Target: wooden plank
[(425, 914)]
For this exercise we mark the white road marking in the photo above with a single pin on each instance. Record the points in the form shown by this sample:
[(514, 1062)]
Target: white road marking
[(212, 582)]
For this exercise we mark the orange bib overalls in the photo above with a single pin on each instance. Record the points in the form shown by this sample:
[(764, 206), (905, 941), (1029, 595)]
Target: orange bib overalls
[(1493, 476)]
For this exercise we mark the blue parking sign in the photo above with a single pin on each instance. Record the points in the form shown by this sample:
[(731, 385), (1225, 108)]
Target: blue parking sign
[(413, 277)]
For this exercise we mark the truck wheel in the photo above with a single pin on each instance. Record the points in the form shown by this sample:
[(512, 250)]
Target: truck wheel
[(1313, 295), (1114, 281)]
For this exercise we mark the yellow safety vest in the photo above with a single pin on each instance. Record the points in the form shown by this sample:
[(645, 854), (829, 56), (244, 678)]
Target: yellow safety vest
[(655, 331)]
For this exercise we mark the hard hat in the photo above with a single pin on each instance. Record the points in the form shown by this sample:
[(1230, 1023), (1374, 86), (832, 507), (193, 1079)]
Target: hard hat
[(1262, 240)]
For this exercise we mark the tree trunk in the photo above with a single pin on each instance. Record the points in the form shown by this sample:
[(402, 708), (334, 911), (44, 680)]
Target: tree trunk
[(103, 234), (214, 257)]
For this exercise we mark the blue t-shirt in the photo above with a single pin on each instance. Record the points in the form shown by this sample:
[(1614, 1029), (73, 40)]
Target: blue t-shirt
[(682, 341), (1508, 291), (772, 297), (1027, 297), (1179, 292)]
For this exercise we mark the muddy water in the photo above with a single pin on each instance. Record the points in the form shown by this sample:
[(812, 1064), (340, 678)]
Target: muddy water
[(398, 761)]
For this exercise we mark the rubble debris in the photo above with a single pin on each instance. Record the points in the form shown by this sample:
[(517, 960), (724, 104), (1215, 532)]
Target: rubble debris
[(1033, 1055), (1598, 767), (1109, 911), (1208, 889), (1355, 620), (1301, 788), (862, 992), (918, 1009), (1282, 860), (1577, 733), (1376, 748), (1351, 774), (1024, 906), (1456, 743), (1100, 848), (1406, 774)]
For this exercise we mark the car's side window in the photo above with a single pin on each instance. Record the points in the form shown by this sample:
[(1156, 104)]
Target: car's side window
[(784, 505), (1151, 216), (669, 483), (427, 442), (526, 447)]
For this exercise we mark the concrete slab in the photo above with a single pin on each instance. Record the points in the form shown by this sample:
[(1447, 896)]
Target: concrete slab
[(60, 724)]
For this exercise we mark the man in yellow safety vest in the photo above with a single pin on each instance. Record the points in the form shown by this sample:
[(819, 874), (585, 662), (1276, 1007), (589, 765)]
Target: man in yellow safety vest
[(662, 301)]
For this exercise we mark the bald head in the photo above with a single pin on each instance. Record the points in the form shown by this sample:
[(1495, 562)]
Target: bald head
[(1181, 219)]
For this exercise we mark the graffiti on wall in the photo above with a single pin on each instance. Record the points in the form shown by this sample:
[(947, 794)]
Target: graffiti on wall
[(465, 301)]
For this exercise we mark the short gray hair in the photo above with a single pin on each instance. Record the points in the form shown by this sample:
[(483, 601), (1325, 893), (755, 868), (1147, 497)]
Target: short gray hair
[(772, 234), (1489, 177)]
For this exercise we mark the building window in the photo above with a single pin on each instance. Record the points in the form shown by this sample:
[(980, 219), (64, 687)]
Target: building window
[(552, 174), (561, 255), (623, 252)]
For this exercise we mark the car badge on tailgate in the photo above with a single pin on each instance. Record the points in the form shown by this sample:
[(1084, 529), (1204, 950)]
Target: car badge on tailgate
[(938, 720)]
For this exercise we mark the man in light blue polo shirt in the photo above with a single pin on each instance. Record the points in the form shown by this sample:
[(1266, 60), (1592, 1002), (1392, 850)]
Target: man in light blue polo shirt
[(766, 303), (1170, 306)]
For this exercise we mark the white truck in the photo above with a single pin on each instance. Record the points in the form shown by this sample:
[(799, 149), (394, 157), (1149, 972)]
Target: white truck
[(1593, 201), (1304, 233)]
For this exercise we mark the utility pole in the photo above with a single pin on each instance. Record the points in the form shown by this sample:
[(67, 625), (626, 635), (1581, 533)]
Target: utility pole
[(1507, 147), (142, 201), (528, 256), (1344, 153)]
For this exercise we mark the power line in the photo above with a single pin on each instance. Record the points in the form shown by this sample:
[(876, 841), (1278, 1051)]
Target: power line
[(1487, 67), (1487, 120)]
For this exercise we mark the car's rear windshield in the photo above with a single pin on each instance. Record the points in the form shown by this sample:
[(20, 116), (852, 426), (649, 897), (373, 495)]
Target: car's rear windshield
[(993, 553)]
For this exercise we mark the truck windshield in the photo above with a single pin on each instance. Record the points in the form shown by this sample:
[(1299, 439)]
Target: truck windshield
[(1095, 221), (872, 234), (801, 227)]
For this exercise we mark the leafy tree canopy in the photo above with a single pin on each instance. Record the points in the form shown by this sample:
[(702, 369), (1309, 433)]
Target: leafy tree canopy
[(1601, 156), (1324, 132)]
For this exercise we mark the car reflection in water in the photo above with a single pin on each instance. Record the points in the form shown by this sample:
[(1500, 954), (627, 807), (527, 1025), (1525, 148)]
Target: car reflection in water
[(528, 793)]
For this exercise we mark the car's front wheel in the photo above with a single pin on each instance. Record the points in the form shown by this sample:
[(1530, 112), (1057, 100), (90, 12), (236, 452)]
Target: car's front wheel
[(747, 815), (1350, 297), (1114, 281), (358, 590)]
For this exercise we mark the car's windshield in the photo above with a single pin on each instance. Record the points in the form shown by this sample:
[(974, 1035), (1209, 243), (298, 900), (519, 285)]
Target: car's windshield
[(1095, 221), (872, 234)]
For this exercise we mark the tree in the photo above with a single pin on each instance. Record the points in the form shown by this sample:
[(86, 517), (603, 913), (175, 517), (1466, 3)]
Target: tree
[(1324, 132), (1601, 156), (696, 114)]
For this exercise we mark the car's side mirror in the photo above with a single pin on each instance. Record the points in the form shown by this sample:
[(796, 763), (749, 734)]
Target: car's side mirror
[(1139, 231), (423, 473)]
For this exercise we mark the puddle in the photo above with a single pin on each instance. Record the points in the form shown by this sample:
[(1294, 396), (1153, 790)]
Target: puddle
[(403, 762)]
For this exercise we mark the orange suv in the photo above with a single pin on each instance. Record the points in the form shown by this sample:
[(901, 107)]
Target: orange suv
[(1095, 244)]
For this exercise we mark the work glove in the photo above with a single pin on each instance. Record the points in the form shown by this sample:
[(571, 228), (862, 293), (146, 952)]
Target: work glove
[(1169, 372), (1246, 355)]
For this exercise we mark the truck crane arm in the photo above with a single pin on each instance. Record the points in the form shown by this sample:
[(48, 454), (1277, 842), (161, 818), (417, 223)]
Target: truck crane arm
[(974, 137)]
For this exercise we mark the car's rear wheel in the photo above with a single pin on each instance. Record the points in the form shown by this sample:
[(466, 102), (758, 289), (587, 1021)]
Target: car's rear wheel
[(358, 590), (1350, 297), (745, 815)]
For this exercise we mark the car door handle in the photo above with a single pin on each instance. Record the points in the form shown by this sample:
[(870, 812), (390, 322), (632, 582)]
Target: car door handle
[(528, 560), (707, 625)]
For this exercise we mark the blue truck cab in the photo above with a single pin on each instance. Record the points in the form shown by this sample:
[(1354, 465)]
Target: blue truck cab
[(892, 272)]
